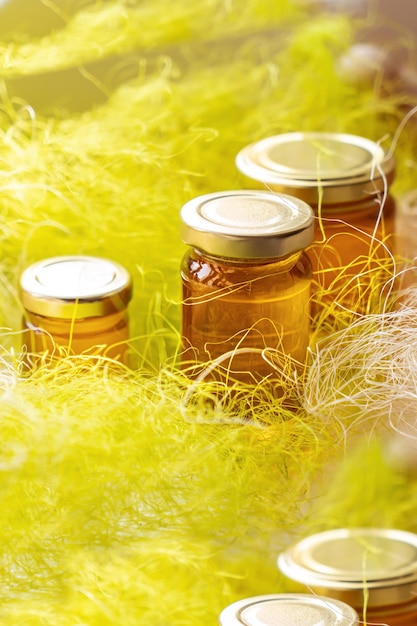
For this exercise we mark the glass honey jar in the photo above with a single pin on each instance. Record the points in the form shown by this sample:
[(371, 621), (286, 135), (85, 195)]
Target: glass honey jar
[(246, 279), (288, 609), (373, 570), (78, 304), (346, 179)]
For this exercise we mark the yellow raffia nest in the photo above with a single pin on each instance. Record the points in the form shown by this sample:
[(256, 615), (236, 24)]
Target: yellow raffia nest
[(111, 497), (121, 503)]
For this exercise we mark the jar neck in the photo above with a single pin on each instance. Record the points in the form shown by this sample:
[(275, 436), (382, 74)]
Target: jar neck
[(369, 203), (289, 259), (82, 326)]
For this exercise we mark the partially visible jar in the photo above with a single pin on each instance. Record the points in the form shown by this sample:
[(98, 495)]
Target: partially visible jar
[(373, 570), (78, 303), (407, 240), (346, 179), (246, 280), (288, 609)]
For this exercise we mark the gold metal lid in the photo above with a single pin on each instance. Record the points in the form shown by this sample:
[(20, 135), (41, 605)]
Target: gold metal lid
[(344, 168), (343, 562), (289, 609), (247, 224), (75, 287)]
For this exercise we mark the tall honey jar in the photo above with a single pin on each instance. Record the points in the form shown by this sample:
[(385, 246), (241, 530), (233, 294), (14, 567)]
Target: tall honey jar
[(78, 303), (246, 279), (288, 609), (346, 179), (373, 570)]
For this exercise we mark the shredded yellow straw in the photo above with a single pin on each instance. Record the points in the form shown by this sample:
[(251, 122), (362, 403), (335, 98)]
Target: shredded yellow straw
[(138, 496)]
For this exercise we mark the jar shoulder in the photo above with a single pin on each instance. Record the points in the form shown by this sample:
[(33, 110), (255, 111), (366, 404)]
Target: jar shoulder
[(203, 269)]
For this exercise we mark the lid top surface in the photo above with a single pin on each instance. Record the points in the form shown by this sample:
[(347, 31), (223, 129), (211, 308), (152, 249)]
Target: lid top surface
[(350, 557), (314, 157), (74, 277), (290, 613), (289, 610), (247, 213), (325, 158)]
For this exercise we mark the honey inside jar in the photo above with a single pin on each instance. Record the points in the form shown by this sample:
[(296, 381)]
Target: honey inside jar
[(229, 307)]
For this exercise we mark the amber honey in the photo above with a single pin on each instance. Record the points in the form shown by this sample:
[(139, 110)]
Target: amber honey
[(78, 303), (260, 305)]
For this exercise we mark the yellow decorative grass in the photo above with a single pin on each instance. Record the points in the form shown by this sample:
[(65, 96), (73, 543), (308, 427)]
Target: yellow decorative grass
[(121, 504)]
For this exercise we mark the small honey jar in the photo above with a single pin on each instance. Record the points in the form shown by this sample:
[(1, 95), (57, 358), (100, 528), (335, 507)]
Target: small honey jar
[(373, 570), (78, 303), (346, 179), (288, 609), (246, 279)]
